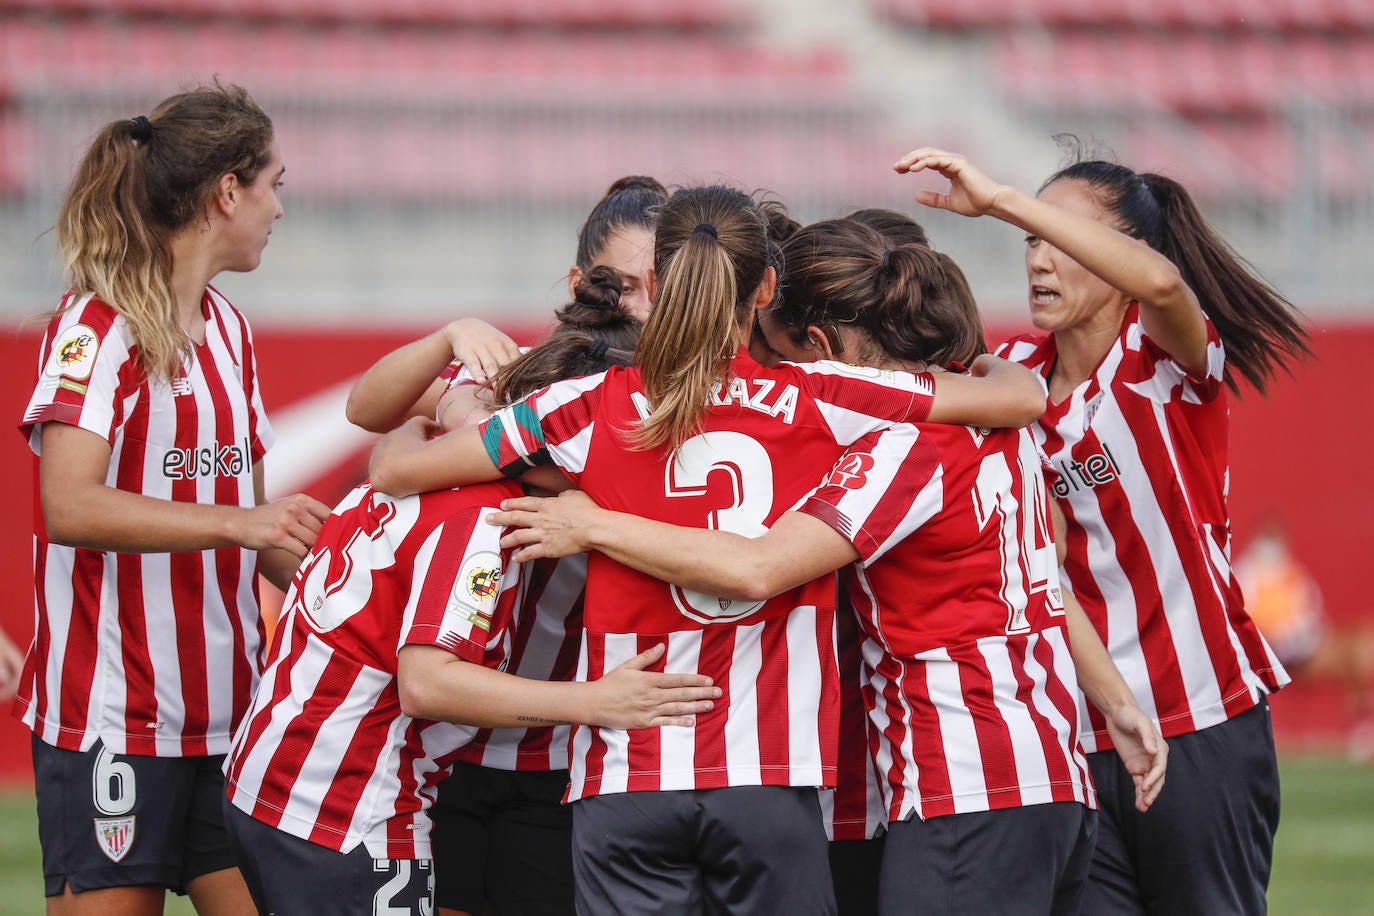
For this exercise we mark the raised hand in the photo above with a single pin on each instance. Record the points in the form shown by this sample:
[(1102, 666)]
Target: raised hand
[(630, 697), (971, 193), (481, 348)]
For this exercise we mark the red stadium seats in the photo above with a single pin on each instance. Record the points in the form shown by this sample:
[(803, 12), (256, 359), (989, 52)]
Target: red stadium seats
[(1315, 15), (611, 13)]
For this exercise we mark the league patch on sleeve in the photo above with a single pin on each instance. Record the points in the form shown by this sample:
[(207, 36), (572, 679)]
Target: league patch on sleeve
[(73, 355), (476, 589)]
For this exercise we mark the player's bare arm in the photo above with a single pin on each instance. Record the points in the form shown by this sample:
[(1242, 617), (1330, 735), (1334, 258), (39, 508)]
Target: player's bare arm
[(797, 549), (1141, 747), (413, 459), (1169, 311), (435, 684), (995, 394), (1135, 735), (405, 383), (81, 510)]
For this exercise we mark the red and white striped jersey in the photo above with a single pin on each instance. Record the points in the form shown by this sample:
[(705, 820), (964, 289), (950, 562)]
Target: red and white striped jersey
[(972, 691), (544, 647), (854, 810), (152, 653), (765, 436), (325, 752), (545, 641), (1137, 457)]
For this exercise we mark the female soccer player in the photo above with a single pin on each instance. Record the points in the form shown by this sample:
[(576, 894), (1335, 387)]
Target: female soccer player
[(149, 431), (408, 382), (1143, 308), (502, 836), (971, 688), (697, 411), (399, 626), (855, 815)]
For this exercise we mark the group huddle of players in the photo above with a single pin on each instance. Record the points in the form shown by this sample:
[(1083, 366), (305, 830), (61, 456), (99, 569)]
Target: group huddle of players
[(840, 614)]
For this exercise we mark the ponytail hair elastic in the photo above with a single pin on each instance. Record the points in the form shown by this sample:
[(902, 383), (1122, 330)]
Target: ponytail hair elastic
[(142, 129), (886, 261), (708, 229), (598, 349)]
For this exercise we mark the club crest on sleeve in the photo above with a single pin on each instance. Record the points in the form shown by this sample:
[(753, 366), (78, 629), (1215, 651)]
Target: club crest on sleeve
[(115, 835), (852, 471), (73, 353)]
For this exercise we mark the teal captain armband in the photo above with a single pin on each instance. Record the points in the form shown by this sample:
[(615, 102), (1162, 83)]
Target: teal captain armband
[(514, 440)]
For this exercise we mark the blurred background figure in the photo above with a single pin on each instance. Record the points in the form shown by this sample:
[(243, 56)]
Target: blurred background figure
[(11, 664), (1285, 601)]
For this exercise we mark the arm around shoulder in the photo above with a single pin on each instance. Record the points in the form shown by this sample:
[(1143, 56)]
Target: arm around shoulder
[(995, 394)]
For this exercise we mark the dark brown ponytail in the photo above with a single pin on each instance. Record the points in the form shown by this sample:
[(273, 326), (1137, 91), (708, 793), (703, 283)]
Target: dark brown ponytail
[(1261, 330), (593, 334), (841, 272)]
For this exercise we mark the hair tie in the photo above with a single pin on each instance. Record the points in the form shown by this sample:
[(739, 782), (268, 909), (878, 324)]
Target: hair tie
[(142, 130), (598, 349), (708, 229), (883, 265)]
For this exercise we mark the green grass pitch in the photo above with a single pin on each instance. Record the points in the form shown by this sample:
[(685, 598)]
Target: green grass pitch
[(1324, 863)]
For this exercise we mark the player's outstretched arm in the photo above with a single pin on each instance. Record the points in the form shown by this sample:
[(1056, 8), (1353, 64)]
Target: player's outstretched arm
[(797, 549), (435, 684), (418, 456), (81, 510), (405, 383), (995, 394), (1169, 309)]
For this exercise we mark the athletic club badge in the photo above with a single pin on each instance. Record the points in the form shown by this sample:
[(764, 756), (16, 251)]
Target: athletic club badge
[(115, 835), (1090, 410)]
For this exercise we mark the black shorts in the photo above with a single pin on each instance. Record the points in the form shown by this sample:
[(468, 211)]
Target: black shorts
[(1028, 861), (854, 869), (288, 875), (1207, 843), (120, 820), (744, 849), (502, 842)]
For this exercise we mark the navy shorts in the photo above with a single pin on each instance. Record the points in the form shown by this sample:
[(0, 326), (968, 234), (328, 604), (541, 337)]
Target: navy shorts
[(1207, 843), (502, 842), (1028, 861), (288, 875), (120, 820), (745, 849)]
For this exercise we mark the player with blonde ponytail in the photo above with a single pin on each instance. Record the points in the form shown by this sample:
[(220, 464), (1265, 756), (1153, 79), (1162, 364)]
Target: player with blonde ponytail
[(149, 430)]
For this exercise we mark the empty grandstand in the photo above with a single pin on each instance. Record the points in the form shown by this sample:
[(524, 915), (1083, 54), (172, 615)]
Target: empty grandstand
[(440, 151)]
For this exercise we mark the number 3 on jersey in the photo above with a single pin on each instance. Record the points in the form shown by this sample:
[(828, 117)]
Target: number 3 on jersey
[(749, 470)]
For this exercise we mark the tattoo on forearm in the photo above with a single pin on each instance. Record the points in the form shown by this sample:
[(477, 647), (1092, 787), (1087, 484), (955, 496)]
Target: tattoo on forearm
[(540, 720)]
